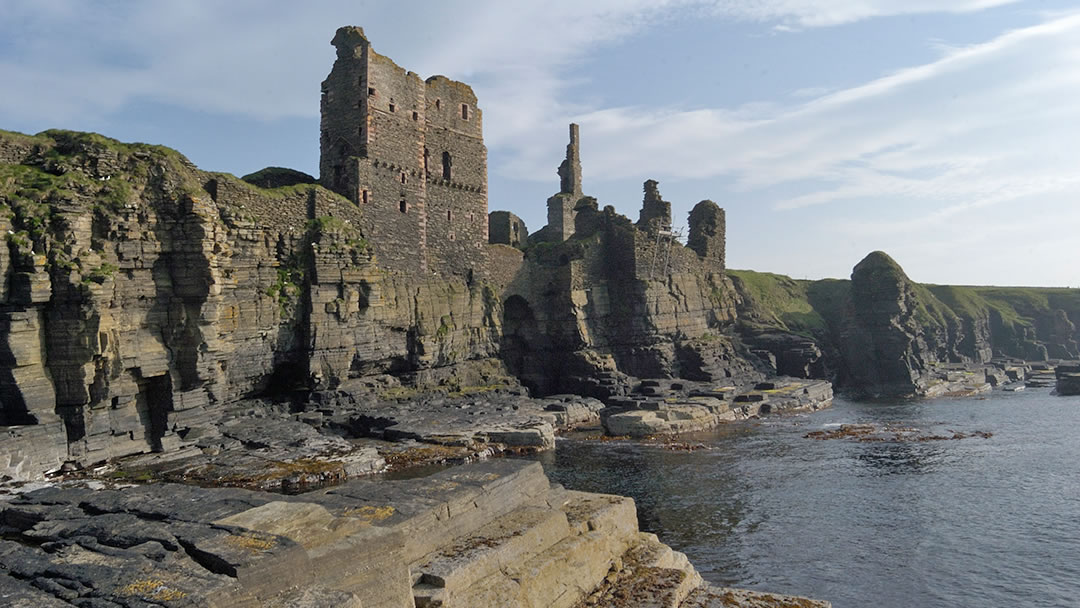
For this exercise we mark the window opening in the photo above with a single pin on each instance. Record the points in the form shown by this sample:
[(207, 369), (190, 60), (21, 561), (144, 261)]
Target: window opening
[(371, 91), (393, 108), (449, 215), (465, 111), (403, 206), (403, 180), (447, 164), (438, 104), (416, 116)]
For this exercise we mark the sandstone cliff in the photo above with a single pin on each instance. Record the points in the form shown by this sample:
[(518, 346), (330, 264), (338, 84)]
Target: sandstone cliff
[(139, 293), (882, 333)]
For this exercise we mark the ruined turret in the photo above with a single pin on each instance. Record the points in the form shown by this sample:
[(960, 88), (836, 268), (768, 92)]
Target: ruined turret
[(570, 169), (561, 207), (707, 234), (655, 211)]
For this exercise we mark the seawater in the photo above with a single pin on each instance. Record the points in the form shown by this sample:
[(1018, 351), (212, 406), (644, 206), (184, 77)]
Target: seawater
[(970, 522)]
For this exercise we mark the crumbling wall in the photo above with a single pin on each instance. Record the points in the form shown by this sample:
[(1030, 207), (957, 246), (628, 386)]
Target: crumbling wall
[(655, 215), (411, 154), (708, 228), (507, 229)]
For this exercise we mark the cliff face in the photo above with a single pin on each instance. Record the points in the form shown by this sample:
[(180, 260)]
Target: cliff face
[(882, 333), (615, 300), (891, 337), (141, 296), (140, 293)]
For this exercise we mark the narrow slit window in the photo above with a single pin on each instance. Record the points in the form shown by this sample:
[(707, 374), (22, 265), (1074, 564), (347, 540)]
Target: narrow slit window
[(449, 216), (447, 164), (403, 206), (403, 179), (364, 197), (465, 111), (393, 108), (416, 116), (438, 104)]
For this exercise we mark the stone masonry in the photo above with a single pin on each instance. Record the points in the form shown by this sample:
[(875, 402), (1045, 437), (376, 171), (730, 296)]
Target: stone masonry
[(410, 153)]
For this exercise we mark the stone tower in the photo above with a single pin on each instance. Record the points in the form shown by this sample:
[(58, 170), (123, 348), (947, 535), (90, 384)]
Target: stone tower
[(655, 211), (411, 154), (708, 228), (561, 212)]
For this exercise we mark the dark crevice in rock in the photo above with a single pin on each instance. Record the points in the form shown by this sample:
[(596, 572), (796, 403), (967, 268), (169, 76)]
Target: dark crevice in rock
[(212, 563)]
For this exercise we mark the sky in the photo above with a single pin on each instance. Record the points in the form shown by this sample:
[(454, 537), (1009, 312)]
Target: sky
[(943, 132)]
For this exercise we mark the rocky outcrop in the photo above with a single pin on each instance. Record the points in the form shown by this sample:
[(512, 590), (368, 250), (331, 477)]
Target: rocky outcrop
[(662, 407), (1068, 380), (490, 534), (885, 347), (881, 333), (141, 295)]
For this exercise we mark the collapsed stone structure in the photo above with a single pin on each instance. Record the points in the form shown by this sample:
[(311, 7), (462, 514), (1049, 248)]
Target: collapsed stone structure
[(596, 298), (411, 154)]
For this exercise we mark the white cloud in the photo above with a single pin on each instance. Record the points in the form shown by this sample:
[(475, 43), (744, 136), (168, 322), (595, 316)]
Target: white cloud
[(822, 13), (66, 58)]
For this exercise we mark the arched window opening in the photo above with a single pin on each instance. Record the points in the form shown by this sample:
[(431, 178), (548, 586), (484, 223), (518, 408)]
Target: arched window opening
[(447, 164)]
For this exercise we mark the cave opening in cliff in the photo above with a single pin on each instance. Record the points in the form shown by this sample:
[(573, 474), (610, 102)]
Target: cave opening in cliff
[(154, 404)]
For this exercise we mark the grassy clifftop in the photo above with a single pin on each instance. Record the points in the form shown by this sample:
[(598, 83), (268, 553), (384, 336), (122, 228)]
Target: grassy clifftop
[(1015, 315)]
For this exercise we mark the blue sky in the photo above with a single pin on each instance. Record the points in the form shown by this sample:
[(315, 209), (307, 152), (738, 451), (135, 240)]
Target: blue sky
[(947, 137)]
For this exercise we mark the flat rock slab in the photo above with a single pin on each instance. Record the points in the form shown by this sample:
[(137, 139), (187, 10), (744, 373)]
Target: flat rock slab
[(709, 596)]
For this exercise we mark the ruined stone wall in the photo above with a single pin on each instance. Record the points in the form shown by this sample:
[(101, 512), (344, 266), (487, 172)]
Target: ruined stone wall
[(655, 259), (504, 263), (457, 207), (344, 111), (506, 228), (410, 154), (655, 211), (708, 230)]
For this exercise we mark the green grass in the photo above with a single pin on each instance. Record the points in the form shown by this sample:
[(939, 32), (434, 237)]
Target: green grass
[(776, 300)]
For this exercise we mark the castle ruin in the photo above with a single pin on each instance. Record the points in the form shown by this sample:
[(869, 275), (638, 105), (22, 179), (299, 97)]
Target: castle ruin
[(411, 154)]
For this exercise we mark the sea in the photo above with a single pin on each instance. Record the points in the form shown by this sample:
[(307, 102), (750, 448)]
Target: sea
[(943, 502)]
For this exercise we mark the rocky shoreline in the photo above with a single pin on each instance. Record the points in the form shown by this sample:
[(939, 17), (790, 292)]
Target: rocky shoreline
[(211, 369), (487, 534)]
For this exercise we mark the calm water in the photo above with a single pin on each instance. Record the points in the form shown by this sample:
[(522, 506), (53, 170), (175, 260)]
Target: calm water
[(975, 522)]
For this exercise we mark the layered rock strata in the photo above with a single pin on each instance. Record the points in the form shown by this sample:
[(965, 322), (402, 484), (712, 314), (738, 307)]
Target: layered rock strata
[(142, 295), (661, 407), (1068, 380), (881, 333), (492, 534)]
